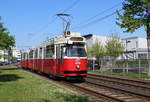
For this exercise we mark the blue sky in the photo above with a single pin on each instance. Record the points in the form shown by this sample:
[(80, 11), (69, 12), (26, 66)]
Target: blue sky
[(30, 21)]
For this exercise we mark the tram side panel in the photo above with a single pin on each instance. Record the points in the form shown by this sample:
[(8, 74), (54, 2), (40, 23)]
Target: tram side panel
[(35, 63), (59, 67), (22, 63), (39, 65), (30, 63), (26, 63), (46, 66), (49, 66)]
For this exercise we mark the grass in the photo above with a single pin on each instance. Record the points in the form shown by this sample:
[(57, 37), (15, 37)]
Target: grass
[(17, 85), (130, 74)]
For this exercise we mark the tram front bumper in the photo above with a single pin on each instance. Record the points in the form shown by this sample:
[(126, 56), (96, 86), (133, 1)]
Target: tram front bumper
[(75, 73)]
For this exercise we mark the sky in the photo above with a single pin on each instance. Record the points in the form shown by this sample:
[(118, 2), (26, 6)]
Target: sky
[(33, 21)]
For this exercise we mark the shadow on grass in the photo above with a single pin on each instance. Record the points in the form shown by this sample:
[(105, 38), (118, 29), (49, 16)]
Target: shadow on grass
[(9, 68), (9, 77)]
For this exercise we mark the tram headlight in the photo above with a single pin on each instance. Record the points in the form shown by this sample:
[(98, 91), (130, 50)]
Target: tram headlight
[(78, 66)]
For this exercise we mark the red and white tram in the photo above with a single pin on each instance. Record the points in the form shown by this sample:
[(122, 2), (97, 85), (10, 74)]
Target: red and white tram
[(63, 56)]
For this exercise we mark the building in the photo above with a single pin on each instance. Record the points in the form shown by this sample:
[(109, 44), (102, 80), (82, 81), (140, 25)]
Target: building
[(16, 53), (3, 55), (135, 47), (6, 55), (92, 38)]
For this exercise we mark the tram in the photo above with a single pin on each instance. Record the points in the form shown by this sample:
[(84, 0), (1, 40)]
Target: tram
[(61, 56)]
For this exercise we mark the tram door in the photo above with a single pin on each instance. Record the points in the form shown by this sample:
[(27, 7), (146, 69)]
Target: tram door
[(58, 58)]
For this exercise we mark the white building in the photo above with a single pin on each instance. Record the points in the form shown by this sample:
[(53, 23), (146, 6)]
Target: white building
[(135, 47), (92, 38), (16, 53), (3, 55)]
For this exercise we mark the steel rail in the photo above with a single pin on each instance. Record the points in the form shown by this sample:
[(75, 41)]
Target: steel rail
[(126, 79), (120, 89), (124, 83), (96, 94)]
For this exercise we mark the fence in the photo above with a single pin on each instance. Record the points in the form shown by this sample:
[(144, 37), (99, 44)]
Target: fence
[(124, 67)]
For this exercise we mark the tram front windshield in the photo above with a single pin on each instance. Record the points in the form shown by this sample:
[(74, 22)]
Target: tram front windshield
[(75, 51)]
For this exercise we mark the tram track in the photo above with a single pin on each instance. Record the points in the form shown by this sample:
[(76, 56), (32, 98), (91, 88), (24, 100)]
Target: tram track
[(128, 80), (132, 88), (141, 91), (124, 95), (139, 86), (96, 92)]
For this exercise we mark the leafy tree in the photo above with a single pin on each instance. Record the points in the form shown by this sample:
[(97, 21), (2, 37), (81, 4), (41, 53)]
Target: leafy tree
[(1, 56), (114, 46), (98, 51), (6, 41), (136, 14)]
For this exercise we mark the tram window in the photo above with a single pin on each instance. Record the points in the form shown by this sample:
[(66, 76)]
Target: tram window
[(21, 56), (58, 51), (36, 53), (24, 55), (27, 56), (75, 51), (40, 53), (31, 54), (49, 51)]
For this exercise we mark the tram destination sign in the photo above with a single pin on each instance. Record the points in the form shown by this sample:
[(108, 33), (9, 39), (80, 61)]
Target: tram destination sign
[(76, 38)]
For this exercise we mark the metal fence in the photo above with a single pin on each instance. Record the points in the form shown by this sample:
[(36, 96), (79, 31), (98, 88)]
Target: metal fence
[(124, 67)]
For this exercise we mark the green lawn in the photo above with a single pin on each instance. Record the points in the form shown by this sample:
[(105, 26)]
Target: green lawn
[(17, 85)]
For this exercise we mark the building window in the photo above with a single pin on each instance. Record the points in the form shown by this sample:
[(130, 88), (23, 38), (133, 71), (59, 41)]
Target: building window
[(136, 44), (142, 56)]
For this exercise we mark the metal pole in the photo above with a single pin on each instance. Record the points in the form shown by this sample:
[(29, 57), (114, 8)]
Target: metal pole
[(127, 56), (93, 64), (139, 68), (127, 67), (124, 66)]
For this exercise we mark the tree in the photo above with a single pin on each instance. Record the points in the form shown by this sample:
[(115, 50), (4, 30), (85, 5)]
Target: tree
[(6, 41), (98, 51), (136, 14), (114, 48), (1, 56)]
